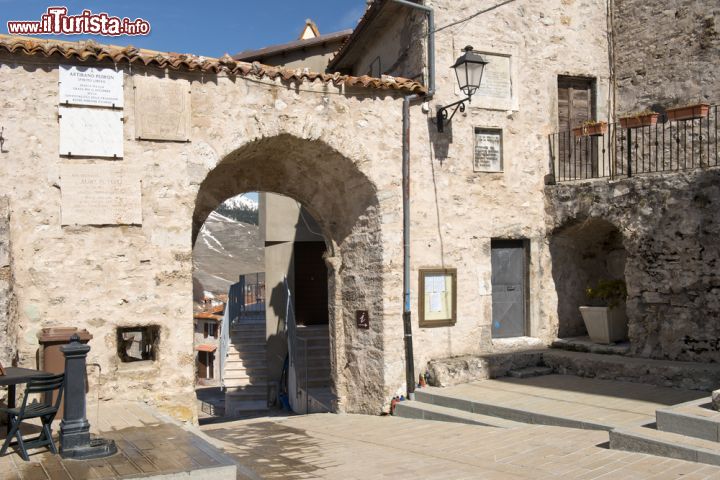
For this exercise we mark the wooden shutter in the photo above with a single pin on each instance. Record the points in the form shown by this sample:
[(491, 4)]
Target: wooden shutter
[(575, 102)]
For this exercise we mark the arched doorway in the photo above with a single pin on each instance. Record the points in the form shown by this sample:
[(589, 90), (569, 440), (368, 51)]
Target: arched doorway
[(584, 253), (343, 202)]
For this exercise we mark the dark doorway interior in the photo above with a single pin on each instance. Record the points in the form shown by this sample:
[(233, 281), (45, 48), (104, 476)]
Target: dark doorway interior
[(311, 283), (509, 288)]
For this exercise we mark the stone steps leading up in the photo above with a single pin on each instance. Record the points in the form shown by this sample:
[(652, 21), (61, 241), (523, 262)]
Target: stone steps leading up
[(426, 411), (663, 373), (646, 439)]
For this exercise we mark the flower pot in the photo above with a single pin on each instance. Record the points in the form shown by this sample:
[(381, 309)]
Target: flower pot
[(638, 121), (689, 112), (593, 130), (605, 324)]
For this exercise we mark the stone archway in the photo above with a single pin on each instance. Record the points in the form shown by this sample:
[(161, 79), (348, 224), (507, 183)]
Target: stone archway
[(344, 203), (583, 252)]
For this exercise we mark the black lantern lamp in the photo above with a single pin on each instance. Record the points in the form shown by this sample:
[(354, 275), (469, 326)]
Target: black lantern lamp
[(469, 69)]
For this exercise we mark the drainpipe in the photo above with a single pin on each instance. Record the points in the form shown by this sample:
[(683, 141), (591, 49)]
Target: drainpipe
[(407, 319)]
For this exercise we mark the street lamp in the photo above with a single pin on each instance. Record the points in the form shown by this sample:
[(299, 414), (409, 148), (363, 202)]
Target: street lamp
[(469, 69)]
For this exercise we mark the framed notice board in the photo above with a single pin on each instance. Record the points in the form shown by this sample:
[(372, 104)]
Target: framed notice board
[(437, 297)]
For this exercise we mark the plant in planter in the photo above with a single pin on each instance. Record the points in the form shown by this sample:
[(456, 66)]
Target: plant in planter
[(688, 112), (646, 118), (591, 128), (607, 323)]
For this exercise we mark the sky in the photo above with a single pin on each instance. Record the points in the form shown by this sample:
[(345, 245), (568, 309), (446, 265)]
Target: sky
[(202, 27)]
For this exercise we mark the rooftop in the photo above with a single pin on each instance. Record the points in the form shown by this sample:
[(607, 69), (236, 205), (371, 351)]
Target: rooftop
[(93, 51)]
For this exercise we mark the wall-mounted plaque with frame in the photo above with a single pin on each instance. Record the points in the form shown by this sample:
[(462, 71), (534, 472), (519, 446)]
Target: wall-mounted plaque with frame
[(437, 297)]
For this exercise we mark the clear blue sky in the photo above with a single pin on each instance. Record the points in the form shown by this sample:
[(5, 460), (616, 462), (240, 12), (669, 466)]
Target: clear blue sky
[(203, 27)]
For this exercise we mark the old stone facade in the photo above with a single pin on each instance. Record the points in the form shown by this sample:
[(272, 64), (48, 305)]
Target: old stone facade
[(8, 314), (334, 144)]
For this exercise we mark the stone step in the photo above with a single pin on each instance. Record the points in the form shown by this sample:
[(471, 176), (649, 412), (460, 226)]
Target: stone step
[(235, 361), (426, 411), (259, 340), (646, 439), (251, 349), (446, 372), (583, 344), (435, 396), (693, 419), (528, 372), (236, 372), (662, 373), (236, 407)]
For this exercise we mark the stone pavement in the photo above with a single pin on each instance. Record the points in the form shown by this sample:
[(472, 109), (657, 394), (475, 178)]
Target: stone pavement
[(368, 447), (602, 402), (149, 444)]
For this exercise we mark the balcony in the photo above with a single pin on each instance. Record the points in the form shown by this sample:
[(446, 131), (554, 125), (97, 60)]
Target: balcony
[(625, 151)]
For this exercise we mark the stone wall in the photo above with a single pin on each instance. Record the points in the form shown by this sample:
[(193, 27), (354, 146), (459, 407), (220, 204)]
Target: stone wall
[(666, 52), (336, 150), (8, 317), (669, 226)]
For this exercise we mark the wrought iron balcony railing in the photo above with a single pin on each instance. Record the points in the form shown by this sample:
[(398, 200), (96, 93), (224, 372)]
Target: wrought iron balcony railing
[(619, 151)]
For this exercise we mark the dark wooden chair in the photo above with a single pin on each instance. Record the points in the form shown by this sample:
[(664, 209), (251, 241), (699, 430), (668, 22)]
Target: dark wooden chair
[(45, 409)]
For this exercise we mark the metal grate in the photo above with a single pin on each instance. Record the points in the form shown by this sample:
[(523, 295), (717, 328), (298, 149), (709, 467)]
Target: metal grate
[(624, 152)]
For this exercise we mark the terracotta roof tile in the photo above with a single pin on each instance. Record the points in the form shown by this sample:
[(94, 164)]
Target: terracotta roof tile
[(204, 347), (92, 51)]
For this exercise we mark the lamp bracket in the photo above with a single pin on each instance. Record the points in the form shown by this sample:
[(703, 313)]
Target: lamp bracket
[(442, 117)]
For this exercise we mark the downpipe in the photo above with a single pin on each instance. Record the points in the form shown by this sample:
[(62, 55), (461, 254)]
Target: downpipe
[(407, 313)]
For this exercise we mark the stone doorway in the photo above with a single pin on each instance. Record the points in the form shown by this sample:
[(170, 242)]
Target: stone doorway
[(343, 203), (583, 253)]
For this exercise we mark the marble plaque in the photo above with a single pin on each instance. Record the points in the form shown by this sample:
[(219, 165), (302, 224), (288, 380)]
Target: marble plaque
[(100, 87), (91, 132), (488, 150), (496, 81), (162, 109), (100, 194)]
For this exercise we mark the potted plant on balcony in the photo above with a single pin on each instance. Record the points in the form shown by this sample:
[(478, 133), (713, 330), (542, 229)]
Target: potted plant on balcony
[(646, 118), (688, 112), (591, 128), (606, 323)]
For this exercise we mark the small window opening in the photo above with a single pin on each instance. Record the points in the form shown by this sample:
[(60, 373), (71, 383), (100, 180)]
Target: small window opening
[(136, 344), (210, 330)]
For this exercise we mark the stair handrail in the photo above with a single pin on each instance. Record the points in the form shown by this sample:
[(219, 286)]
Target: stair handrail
[(293, 342)]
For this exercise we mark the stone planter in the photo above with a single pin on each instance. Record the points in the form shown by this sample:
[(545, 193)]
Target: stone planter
[(638, 121), (594, 130), (689, 112), (605, 324)]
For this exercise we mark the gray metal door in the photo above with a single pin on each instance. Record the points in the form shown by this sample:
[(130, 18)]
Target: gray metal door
[(508, 260)]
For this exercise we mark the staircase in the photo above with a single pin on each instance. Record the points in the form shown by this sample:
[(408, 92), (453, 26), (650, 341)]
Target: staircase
[(316, 339), (246, 369)]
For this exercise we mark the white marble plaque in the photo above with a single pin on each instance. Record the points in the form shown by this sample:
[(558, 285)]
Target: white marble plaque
[(91, 132), (162, 109), (496, 81), (100, 194), (100, 87), (488, 150)]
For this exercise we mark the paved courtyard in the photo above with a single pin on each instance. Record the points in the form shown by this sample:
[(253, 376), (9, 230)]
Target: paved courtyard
[(367, 447)]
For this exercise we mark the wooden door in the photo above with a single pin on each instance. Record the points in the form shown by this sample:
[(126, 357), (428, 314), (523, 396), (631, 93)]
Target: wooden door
[(576, 156), (311, 283)]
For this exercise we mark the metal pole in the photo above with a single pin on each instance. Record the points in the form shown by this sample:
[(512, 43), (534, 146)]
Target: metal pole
[(407, 319)]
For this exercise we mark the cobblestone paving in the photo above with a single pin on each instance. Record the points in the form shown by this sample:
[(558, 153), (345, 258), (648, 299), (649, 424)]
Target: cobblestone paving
[(364, 447)]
